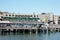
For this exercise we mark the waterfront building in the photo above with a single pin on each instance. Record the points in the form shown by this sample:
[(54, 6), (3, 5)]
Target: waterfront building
[(18, 20), (12, 21), (56, 19), (44, 17), (27, 20)]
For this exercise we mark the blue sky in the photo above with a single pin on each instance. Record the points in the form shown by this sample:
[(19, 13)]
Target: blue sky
[(30, 6)]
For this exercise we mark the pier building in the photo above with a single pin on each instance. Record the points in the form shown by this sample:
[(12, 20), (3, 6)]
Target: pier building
[(27, 18), (10, 21)]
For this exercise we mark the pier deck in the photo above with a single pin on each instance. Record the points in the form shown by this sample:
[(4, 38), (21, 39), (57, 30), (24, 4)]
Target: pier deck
[(50, 27)]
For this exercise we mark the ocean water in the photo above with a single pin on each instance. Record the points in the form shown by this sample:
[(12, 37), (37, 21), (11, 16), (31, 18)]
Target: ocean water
[(30, 36)]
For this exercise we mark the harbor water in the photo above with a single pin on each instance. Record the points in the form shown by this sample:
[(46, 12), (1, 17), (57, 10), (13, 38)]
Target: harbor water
[(30, 36)]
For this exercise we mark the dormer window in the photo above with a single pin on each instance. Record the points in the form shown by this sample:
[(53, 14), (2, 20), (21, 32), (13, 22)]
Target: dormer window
[(12, 15), (9, 15), (59, 17), (1, 16), (34, 16), (37, 15), (6, 15)]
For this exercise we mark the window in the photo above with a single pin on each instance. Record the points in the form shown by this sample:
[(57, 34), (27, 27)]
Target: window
[(37, 15), (1, 16), (1, 13), (34, 16), (31, 15), (59, 17), (12, 15), (9, 15), (6, 15)]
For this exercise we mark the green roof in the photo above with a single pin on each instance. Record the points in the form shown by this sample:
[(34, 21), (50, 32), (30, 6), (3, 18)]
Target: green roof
[(17, 18)]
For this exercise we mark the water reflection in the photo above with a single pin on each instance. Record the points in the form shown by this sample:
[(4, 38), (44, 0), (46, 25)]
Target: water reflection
[(28, 36)]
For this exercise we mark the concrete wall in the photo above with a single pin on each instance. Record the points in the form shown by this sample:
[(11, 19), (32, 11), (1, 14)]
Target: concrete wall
[(56, 19)]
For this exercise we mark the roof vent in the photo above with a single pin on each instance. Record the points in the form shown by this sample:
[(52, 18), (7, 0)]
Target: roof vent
[(43, 13)]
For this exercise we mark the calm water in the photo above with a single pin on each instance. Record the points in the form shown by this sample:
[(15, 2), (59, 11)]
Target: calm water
[(32, 36)]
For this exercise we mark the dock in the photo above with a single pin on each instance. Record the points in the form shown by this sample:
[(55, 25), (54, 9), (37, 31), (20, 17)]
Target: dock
[(43, 28)]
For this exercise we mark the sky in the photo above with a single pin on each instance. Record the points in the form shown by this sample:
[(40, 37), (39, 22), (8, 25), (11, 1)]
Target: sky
[(30, 6)]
